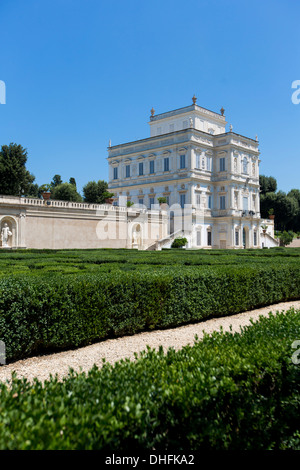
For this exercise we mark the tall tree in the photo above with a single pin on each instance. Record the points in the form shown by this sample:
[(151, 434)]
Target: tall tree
[(268, 184), (285, 208), (95, 192), (73, 181), (66, 192), (295, 225), (56, 181), (15, 179)]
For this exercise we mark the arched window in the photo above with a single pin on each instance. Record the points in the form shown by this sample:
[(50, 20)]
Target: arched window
[(209, 237), (255, 238)]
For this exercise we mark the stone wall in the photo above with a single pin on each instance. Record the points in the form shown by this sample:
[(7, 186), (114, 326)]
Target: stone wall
[(35, 223)]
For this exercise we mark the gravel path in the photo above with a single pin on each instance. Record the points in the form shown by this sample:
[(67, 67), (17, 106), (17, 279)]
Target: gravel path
[(115, 349)]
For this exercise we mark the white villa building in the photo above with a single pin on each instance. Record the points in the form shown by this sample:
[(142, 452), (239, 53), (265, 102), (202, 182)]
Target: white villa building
[(197, 166)]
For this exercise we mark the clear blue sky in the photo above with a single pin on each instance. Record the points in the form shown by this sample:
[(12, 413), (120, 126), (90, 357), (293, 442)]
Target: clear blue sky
[(81, 72)]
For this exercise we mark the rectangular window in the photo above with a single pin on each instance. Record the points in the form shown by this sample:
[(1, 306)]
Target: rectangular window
[(152, 166), (182, 161), (168, 200), (209, 238), (222, 202), (141, 169), (182, 200), (255, 238), (209, 202), (151, 201), (166, 164), (208, 163), (198, 238), (141, 201), (127, 171), (222, 164), (198, 160), (245, 203), (171, 127), (198, 200), (115, 173), (237, 237)]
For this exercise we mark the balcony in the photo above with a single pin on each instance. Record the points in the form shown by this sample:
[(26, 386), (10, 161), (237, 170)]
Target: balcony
[(247, 213), (234, 213)]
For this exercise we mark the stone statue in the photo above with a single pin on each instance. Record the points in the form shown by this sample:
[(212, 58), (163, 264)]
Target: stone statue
[(5, 233), (191, 122), (135, 238)]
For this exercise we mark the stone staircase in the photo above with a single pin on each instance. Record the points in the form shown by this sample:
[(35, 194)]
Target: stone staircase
[(159, 244)]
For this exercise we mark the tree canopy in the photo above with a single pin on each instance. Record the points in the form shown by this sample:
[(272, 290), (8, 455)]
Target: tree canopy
[(73, 181), (15, 179), (96, 192), (268, 184), (56, 181), (66, 192), (286, 207)]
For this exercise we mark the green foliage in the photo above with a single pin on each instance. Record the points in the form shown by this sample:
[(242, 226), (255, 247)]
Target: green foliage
[(268, 184), (66, 192), (179, 242), (56, 181), (286, 238), (107, 195), (129, 203), (162, 200), (45, 188), (73, 181), (285, 208), (295, 223), (230, 391), (51, 300), (15, 179), (94, 192)]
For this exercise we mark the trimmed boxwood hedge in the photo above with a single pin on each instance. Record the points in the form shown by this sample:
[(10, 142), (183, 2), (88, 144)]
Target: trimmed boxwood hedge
[(49, 313), (228, 391)]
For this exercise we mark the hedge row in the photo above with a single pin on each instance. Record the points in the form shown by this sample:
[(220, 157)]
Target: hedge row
[(43, 262), (227, 392), (52, 313)]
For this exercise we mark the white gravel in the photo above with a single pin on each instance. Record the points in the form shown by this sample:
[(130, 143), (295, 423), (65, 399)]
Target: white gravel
[(113, 350)]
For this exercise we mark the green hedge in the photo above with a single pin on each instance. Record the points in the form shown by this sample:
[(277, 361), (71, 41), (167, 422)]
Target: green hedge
[(68, 262), (57, 312), (227, 392)]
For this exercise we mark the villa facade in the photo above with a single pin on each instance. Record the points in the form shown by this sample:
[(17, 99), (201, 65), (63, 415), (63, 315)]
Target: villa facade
[(208, 176)]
